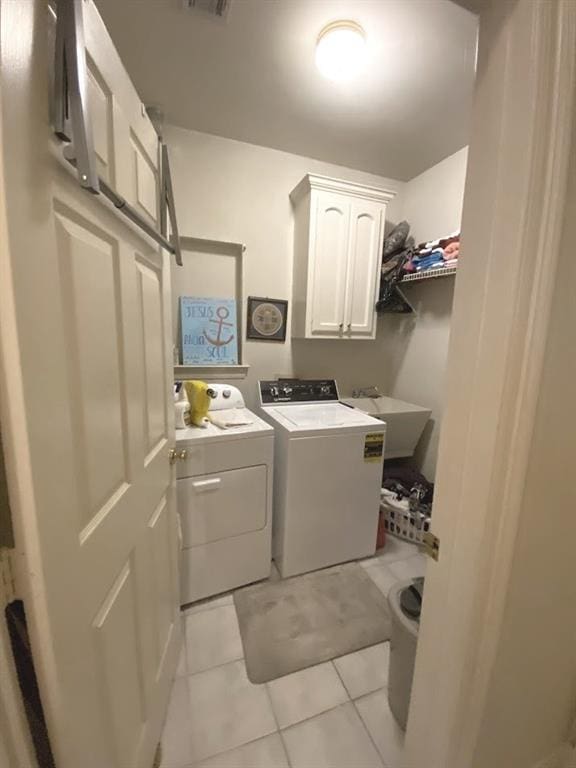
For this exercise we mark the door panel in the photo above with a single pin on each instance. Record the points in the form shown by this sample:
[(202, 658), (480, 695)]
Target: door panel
[(160, 546), (85, 404), (101, 111), (116, 633), (331, 221), (366, 229), (89, 265), (150, 304), (146, 179), (133, 153)]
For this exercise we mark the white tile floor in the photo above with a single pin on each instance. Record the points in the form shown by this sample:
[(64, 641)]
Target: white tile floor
[(334, 715)]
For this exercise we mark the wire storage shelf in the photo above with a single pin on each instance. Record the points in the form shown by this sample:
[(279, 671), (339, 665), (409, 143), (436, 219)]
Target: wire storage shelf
[(429, 274)]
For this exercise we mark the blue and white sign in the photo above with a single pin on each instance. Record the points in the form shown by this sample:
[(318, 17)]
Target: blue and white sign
[(209, 331)]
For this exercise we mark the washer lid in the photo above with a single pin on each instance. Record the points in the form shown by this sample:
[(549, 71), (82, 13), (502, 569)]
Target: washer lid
[(315, 416)]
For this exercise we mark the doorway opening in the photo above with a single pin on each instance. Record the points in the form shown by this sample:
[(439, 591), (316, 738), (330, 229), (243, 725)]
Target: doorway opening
[(292, 385)]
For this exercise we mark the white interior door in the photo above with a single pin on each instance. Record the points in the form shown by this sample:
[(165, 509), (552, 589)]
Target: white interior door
[(331, 222), (366, 229), (85, 407)]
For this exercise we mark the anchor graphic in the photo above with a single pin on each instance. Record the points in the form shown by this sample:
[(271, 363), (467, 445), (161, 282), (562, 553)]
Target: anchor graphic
[(222, 313)]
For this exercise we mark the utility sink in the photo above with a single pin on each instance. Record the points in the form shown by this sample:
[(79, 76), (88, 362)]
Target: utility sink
[(405, 422)]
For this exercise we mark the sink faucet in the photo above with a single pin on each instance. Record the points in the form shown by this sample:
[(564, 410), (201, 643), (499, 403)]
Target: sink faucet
[(366, 392)]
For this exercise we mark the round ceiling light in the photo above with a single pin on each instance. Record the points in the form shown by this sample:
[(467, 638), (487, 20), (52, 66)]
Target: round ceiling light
[(341, 50)]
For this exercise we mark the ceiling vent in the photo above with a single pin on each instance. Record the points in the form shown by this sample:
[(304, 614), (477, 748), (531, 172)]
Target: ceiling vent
[(218, 8)]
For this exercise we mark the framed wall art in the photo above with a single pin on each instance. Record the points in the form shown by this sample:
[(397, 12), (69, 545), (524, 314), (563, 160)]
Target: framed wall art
[(266, 319), (209, 335)]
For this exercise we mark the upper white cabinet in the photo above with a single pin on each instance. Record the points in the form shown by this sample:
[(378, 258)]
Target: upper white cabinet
[(338, 234)]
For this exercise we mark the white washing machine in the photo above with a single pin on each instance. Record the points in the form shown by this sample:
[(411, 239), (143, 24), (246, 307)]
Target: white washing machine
[(327, 475), (224, 492)]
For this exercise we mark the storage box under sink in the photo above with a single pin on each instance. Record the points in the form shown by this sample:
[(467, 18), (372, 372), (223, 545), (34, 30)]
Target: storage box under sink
[(405, 422)]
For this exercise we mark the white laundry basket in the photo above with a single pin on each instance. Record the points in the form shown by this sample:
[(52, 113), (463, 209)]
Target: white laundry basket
[(401, 521)]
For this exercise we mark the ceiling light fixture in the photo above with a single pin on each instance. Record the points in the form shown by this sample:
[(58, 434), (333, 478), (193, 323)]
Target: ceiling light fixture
[(341, 50)]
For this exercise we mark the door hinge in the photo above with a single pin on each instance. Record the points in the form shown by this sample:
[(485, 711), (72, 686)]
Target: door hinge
[(7, 576), (432, 545)]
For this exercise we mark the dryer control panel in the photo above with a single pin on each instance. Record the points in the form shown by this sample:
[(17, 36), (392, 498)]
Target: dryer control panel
[(298, 391)]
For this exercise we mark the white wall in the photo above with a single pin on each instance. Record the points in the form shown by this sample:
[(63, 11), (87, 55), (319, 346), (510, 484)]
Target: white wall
[(229, 190), (433, 201), (417, 345)]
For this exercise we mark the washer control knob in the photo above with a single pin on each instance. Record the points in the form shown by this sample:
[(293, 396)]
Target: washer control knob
[(226, 393)]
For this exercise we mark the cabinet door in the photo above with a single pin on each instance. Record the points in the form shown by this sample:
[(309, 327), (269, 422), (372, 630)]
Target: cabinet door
[(326, 300), (364, 257)]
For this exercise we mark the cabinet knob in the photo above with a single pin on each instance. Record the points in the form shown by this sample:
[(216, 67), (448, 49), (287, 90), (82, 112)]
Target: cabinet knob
[(349, 328)]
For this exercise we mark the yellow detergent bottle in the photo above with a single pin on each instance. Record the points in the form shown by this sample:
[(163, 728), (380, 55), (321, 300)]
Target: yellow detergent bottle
[(198, 393)]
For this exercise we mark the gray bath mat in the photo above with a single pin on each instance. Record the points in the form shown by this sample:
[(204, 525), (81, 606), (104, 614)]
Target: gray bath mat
[(299, 622)]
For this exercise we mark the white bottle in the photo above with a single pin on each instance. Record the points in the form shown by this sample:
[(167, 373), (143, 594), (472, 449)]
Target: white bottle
[(181, 410)]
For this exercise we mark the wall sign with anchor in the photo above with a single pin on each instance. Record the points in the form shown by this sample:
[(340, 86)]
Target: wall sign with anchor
[(209, 331)]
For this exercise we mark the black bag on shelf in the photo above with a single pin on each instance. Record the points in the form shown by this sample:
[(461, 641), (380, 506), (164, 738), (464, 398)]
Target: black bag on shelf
[(390, 299)]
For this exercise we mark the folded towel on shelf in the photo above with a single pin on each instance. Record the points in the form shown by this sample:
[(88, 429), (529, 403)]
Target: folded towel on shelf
[(451, 241), (437, 253), (433, 260), (452, 250)]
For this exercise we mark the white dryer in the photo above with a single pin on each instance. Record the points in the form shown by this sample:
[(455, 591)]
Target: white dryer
[(327, 475), (224, 492)]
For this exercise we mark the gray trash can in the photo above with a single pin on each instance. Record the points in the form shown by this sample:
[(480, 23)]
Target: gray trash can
[(403, 640)]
